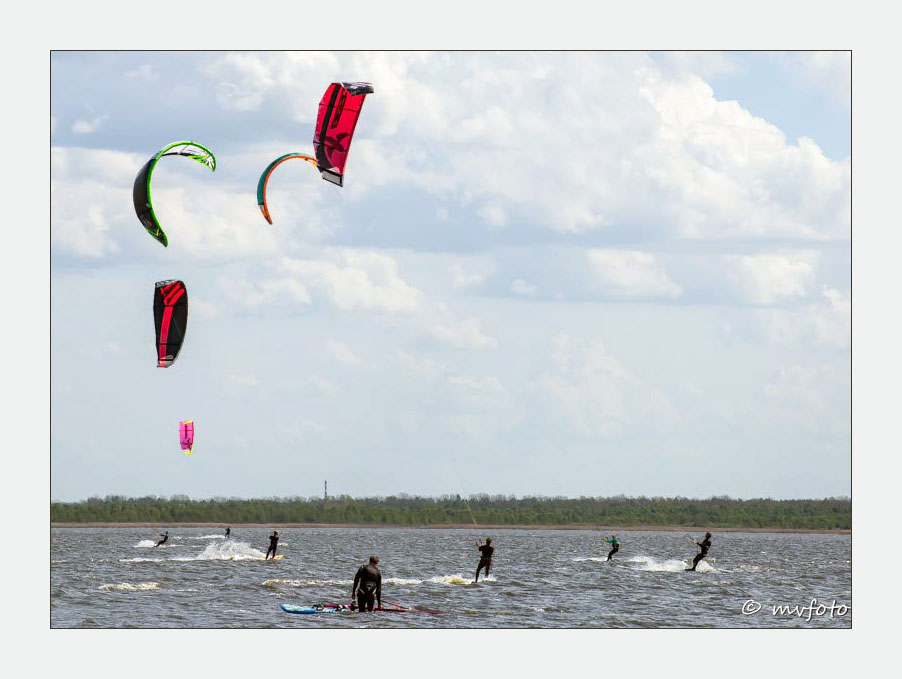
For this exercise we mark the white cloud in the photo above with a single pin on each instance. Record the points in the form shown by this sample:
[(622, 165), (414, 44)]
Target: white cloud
[(631, 274), (265, 293), (144, 72), (88, 126), (341, 352), (771, 279), (244, 79), (355, 280), (322, 385), (466, 334), (467, 276), (521, 287), (587, 391)]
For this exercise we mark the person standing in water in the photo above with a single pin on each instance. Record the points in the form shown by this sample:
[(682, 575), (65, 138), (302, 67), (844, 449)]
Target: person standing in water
[(165, 538), (485, 559), (614, 541), (703, 548), (273, 543), (367, 586), (228, 532)]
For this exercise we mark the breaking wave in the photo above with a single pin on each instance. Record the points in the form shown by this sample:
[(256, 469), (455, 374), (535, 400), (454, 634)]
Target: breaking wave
[(227, 551), (129, 587), (458, 579), (649, 563)]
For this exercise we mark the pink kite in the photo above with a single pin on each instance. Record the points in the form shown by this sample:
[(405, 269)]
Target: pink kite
[(186, 436), (339, 110)]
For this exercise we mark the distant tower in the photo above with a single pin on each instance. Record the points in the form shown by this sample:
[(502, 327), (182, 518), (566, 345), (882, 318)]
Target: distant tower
[(325, 491)]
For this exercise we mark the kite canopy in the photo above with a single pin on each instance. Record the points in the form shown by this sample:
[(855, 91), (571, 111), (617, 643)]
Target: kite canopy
[(339, 110), (170, 317), (141, 189), (186, 436), (264, 179)]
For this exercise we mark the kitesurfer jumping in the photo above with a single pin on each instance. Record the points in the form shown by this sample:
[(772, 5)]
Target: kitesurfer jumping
[(485, 560), (165, 538), (273, 543), (703, 548), (228, 532), (368, 586), (614, 541)]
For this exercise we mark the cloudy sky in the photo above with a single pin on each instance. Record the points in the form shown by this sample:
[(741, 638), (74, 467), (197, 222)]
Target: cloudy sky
[(547, 273)]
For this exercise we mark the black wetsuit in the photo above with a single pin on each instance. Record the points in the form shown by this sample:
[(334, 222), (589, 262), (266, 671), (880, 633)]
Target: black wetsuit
[(367, 587), (485, 561), (273, 543), (704, 546), (615, 547), (165, 538), (228, 532)]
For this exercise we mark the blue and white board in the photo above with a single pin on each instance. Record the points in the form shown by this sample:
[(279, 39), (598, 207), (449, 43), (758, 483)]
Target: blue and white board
[(321, 608)]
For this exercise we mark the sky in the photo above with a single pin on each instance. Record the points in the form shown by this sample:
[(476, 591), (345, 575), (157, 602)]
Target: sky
[(592, 273)]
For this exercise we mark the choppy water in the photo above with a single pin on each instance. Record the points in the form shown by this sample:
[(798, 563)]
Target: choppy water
[(114, 577)]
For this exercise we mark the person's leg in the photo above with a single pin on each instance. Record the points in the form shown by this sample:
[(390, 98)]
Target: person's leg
[(361, 601)]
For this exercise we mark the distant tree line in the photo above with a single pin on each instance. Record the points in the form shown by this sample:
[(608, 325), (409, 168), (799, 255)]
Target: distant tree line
[(829, 513)]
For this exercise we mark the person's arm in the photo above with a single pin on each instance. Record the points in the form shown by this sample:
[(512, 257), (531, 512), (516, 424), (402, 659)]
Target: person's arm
[(379, 590)]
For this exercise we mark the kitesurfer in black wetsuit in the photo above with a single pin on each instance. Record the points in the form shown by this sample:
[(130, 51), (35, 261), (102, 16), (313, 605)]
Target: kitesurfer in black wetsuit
[(273, 543), (703, 548), (165, 538), (485, 560), (614, 541), (228, 532), (368, 586)]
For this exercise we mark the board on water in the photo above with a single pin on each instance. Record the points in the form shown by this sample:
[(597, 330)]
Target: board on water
[(319, 608), (276, 557), (389, 607)]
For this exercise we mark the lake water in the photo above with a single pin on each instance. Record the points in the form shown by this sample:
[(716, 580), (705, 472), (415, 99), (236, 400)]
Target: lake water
[(115, 577)]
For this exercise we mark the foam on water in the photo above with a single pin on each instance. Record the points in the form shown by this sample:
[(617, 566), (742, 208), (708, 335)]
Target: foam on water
[(302, 582), (401, 581), (649, 563), (228, 551), (223, 551), (141, 560), (129, 587), (146, 543), (458, 579)]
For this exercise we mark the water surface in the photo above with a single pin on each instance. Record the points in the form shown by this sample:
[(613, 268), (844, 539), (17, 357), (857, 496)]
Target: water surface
[(115, 577)]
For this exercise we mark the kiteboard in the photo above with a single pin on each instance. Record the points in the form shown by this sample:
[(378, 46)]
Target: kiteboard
[(389, 607), (319, 608)]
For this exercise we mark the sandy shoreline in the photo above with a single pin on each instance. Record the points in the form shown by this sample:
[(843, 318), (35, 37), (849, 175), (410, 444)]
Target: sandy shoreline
[(482, 529)]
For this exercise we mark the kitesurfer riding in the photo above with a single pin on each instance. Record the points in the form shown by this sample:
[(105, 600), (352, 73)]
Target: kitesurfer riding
[(703, 548), (368, 586), (165, 538), (228, 532), (614, 541), (273, 543), (485, 559)]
